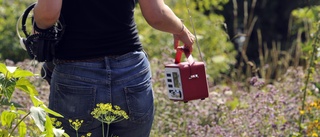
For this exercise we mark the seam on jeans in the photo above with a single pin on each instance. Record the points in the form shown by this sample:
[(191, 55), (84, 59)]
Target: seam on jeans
[(125, 62), (132, 77), (74, 77)]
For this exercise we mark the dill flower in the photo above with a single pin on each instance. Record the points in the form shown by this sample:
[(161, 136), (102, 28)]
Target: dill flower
[(55, 122), (107, 113), (75, 124)]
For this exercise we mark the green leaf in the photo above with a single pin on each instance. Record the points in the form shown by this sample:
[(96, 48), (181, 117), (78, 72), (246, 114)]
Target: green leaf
[(7, 86), (21, 112), (7, 117), (49, 127), (3, 69), (46, 109), (22, 129), (5, 102), (26, 86), (65, 134), (39, 117), (22, 73), (36, 102), (3, 133)]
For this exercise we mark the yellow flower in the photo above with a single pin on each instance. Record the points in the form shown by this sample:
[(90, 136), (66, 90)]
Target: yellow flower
[(75, 124), (313, 104), (58, 123), (314, 135), (53, 119), (302, 112), (107, 113)]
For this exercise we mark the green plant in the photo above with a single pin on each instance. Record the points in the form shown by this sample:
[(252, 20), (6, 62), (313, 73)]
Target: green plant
[(12, 78), (307, 111)]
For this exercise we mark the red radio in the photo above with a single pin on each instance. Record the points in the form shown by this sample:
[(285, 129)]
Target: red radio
[(186, 80)]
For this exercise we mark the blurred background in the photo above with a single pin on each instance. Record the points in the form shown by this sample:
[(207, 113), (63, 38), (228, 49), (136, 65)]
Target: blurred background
[(257, 55)]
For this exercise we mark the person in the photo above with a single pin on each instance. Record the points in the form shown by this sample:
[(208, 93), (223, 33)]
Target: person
[(100, 59)]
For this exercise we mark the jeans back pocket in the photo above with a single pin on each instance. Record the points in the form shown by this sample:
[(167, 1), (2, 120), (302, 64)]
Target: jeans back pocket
[(140, 101), (74, 102)]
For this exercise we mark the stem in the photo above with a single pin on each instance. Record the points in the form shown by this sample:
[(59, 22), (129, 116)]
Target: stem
[(19, 123), (314, 50), (102, 129), (108, 130)]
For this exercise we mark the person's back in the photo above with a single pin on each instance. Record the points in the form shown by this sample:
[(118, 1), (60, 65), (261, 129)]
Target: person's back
[(98, 28), (101, 60)]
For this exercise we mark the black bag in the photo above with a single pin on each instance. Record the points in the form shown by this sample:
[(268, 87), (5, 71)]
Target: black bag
[(41, 45)]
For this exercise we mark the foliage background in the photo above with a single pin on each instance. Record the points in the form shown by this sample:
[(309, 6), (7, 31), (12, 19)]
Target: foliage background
[(234, 108), (10, 11)]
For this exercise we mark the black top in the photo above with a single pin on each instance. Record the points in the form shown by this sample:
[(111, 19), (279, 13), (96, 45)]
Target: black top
[(97, 28)]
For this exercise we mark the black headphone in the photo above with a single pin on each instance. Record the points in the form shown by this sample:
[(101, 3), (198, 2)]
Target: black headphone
[(24, 17), (41, 45)]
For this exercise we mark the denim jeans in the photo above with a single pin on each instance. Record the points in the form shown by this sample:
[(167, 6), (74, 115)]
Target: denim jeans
[(124, 81)]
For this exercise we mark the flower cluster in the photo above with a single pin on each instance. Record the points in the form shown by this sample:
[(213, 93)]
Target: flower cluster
[(107, 113), (75, 124), (313, 113), (256, 82), (56, 123)]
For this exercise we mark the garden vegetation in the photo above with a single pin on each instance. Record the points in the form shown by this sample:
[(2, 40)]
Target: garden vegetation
[(278, 97)]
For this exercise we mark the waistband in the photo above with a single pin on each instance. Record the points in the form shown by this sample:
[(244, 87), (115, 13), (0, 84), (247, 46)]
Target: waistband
[(96, 59)]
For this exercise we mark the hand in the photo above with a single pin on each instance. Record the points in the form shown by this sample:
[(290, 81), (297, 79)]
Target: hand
[(186, 37)]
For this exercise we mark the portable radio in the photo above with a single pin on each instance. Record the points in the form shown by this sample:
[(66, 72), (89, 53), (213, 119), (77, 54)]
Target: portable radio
[(186, 80)]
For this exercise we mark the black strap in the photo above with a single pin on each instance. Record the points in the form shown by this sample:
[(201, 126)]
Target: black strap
[(24, 19)]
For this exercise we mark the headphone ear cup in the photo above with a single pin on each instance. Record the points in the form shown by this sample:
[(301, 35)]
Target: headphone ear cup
[(22, 43)]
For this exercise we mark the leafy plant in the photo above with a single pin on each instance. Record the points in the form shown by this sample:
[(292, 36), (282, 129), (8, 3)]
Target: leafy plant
[(12, 78)]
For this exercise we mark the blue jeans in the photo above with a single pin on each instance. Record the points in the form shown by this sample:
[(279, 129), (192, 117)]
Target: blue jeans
[(124, 81)]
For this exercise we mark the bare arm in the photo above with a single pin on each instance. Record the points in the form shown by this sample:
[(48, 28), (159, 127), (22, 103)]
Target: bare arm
[(161, 17), (47, 12)]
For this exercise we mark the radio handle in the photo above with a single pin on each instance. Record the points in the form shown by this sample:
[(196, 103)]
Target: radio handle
[(179, 50)]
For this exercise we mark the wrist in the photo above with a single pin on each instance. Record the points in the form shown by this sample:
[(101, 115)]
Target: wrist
[(37, 29), (182, 28)]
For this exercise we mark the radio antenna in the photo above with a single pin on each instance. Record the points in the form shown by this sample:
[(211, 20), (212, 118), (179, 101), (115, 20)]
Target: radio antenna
[(194, 30)]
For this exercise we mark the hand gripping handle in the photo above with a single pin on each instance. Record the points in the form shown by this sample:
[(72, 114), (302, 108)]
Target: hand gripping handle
[(179, 50)]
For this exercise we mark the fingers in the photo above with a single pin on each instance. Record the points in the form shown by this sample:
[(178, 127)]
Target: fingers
[(191, 42), (187, 38)]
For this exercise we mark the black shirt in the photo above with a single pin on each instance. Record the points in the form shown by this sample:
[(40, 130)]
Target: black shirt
[(97, 28)]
